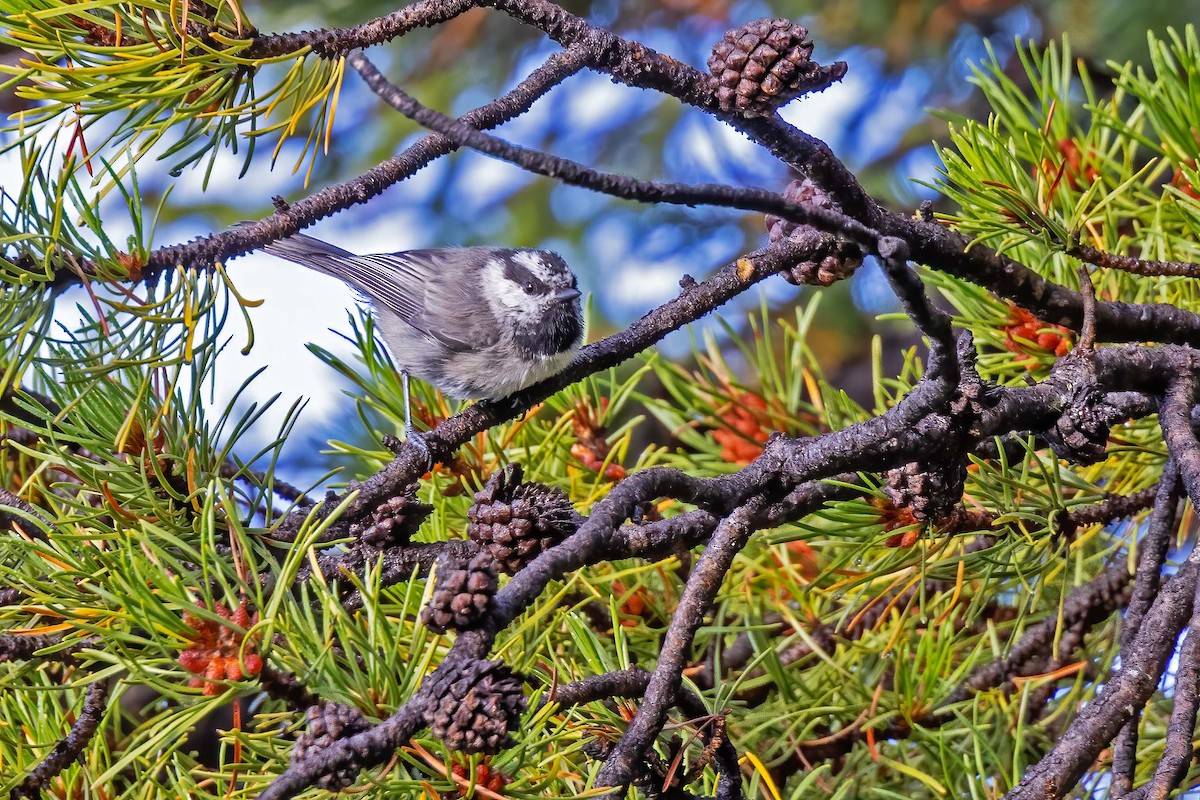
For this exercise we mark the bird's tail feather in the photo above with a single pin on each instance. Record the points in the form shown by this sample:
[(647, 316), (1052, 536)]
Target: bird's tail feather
[(310, 252)]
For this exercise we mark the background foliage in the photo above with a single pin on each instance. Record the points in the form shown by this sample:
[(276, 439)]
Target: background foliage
[(145, 529)]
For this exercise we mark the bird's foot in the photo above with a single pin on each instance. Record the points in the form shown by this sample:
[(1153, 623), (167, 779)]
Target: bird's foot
[(506, 407), (416, 439)]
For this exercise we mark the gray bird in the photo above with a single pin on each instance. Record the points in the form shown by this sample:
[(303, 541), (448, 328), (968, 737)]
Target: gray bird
[(476, 322)]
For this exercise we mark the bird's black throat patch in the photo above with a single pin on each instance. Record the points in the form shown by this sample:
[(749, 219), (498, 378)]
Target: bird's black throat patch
[(559, 329)]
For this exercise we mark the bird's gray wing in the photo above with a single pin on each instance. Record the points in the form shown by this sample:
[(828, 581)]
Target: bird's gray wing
[(435, 291)]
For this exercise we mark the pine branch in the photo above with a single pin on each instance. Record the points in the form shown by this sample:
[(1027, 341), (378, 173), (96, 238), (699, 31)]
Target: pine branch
[(641, 67), (730, 536), (633, 683), (1178, 751), (937, 415), (576, 174), (1127, 689), (1087, 605), (86, 724), (1134, 266), (1149, 648), (201, 253), (337, 42), (896, 437), (1152, 553), (930, 243)]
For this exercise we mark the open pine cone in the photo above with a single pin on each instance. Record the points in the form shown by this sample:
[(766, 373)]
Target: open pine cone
[(476, 705), (462, 593), (394, 521), (517, 521), (763, 64), (834, 258)]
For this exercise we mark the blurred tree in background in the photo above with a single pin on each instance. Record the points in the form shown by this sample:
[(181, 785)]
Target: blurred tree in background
[(728, 573)]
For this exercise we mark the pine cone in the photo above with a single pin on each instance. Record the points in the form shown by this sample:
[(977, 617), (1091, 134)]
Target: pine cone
[(763, 64), (394, 521), (833, 258), (517, 521), (328, 723), (930, 491), (1081, 433), (475, 706), (462, 593)]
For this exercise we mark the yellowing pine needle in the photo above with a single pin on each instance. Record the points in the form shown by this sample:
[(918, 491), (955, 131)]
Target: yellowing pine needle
[(339, 72), (763, 772)]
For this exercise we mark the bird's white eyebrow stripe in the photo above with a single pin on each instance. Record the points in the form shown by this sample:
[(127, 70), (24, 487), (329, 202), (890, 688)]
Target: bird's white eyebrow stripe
[(518, 272), (532, 262)]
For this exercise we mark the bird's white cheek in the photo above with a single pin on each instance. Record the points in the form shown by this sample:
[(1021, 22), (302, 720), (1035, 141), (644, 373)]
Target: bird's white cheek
[(510, 295), (514, 307)]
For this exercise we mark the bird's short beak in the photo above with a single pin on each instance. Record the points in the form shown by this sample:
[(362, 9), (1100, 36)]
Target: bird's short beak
[(563, 295)]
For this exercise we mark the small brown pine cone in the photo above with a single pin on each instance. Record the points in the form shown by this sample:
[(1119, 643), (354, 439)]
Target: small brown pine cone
[(929, 491), (1081, 433), (328, 723), (476, 704), (517, 521), (833, 258), (462, 593), (394, 521), (763, 64)]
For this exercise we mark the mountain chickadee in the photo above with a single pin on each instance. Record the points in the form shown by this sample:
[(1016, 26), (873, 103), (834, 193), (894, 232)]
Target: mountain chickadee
[(476, 322)]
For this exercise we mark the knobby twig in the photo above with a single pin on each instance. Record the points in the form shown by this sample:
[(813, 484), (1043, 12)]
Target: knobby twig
[(287, 687), (337, 42), (633, 683), (1152, 553), (1178, 751), (1087, 332), (10, 500), (21, 647), (929, 319), (730, 536), (1134, 266), (86, 724)]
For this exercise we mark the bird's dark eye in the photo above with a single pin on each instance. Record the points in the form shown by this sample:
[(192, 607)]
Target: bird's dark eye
[(529, 287)]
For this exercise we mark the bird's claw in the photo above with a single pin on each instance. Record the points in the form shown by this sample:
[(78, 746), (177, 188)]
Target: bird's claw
[(507, 407), (417, 439)]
